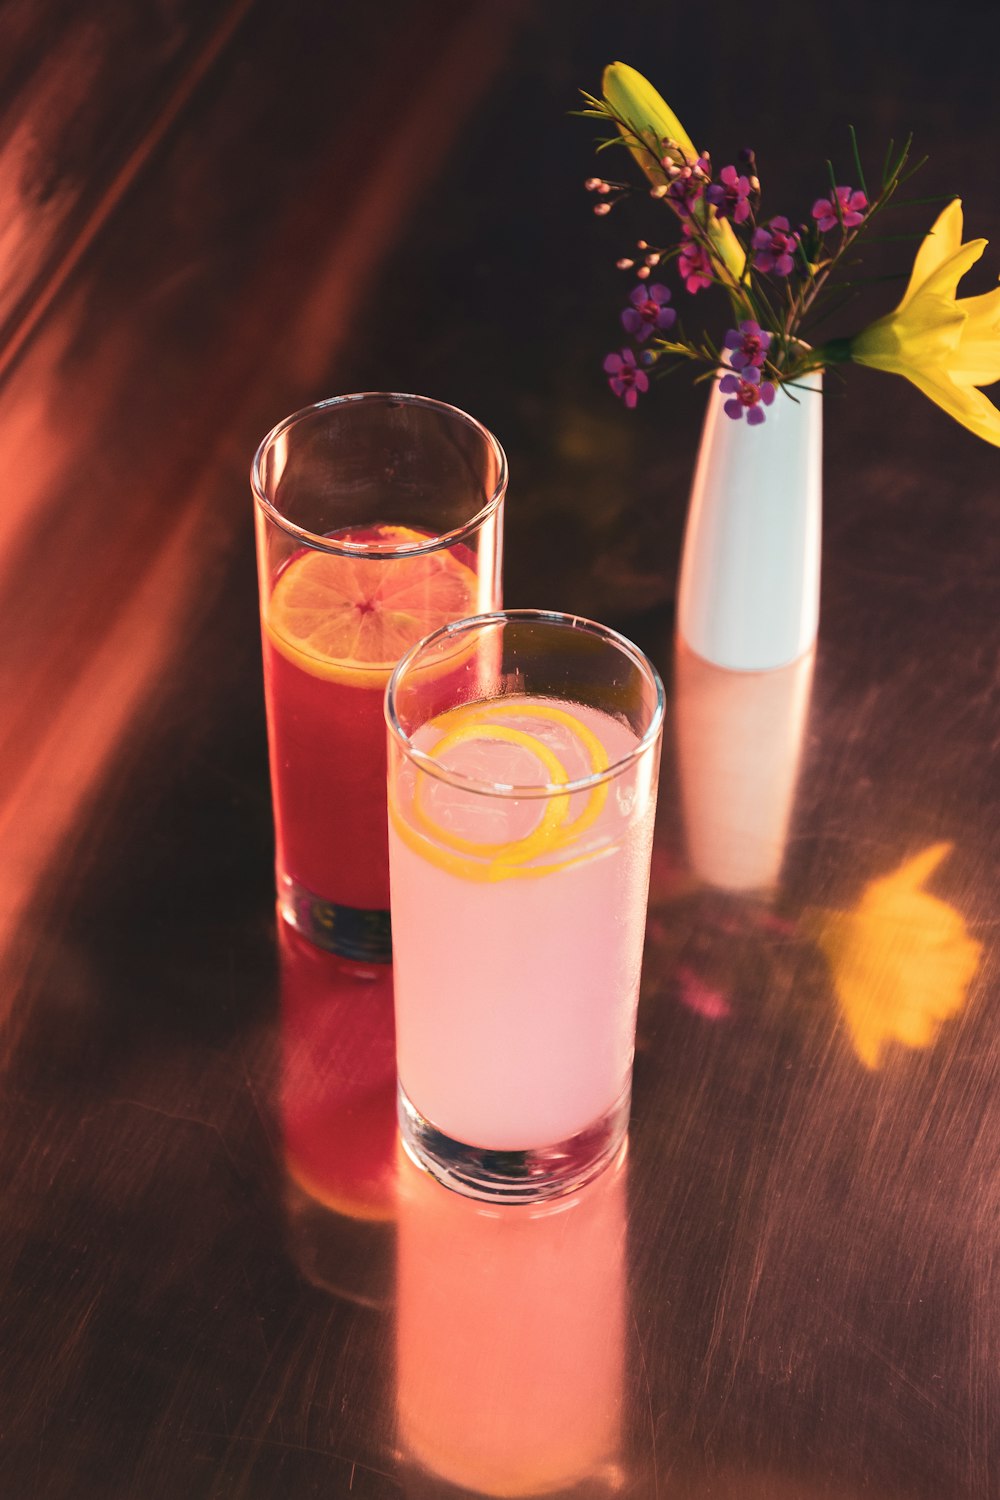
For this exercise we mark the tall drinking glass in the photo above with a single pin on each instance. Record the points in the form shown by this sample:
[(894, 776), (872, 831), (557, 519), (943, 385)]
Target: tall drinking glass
[(378, 519), (523, 758)]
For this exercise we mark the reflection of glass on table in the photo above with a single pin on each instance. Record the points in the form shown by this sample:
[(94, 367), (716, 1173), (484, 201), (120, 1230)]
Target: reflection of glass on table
[(338, 1117), (510, 1338), (379, 518), (522, 790)]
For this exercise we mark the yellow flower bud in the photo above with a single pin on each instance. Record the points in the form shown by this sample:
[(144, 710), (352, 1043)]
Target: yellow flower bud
[(647, 122)]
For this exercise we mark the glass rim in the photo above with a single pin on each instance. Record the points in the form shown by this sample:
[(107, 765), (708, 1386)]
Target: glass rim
[(425, 762), (376, 549)]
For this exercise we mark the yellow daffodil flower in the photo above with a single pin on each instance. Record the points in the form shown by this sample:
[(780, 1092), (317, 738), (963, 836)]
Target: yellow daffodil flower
[(945, 345), (902, 960), (631, 98)]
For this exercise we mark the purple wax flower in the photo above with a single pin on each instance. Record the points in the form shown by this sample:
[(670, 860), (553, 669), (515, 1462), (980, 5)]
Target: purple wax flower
[(686, 188), (847, 206), (749, 394), (648, 312), (694, 263), (774, 247), (624, 376), (749, 345), (730, 196)]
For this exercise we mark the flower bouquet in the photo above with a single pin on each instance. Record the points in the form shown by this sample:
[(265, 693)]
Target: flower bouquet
[(749, 587), (779, 280)]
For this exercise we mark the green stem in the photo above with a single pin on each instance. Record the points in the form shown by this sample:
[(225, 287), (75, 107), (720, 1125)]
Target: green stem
[(833, 352)]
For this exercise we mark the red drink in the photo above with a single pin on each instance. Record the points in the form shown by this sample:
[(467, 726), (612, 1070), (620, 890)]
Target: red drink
[(328, 752), (344, 592), (334, 627)]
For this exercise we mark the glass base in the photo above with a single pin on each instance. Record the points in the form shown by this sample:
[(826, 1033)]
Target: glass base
[(603, 1484), (349, 931), (528, 1176)]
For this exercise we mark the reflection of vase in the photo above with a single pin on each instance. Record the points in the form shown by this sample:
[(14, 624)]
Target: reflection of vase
[(739, 744), (510, 1330), (750, 568)]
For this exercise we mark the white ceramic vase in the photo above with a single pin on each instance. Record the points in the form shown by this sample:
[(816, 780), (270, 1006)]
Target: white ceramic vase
[(750, 568)]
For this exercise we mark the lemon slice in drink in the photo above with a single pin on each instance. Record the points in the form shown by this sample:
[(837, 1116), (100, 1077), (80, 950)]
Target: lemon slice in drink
[(555, 831), (350, 618)]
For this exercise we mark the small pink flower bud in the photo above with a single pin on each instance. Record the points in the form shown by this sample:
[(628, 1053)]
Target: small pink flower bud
[(641, 245), (652, 260), (592, 184), (602, 208), (603, 187), (642, 273), (625, 264), (660, 191)]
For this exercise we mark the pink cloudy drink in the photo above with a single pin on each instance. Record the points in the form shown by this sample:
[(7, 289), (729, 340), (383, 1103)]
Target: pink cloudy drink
[(520, 831)]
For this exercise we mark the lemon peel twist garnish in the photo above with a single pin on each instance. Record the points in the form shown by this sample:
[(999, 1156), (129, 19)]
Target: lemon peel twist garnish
[(514, 851), (490, 861)]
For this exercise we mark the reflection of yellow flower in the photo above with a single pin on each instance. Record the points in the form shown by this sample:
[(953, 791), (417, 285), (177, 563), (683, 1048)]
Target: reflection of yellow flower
[(902, 961), (945, 345), (633, 99)]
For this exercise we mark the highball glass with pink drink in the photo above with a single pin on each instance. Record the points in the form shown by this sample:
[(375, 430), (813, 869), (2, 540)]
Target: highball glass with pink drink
[(523, 757)]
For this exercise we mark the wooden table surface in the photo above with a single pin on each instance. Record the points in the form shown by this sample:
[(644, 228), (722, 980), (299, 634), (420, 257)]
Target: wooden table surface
[(216, 1280)]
